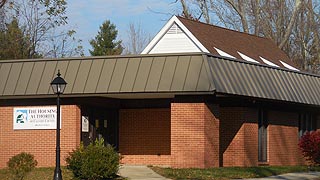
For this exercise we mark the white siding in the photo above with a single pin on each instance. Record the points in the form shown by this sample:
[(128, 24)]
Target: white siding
[(174, 37), (174, 43)]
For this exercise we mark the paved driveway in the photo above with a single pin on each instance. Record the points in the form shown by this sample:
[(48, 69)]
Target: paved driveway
[(293, 176)]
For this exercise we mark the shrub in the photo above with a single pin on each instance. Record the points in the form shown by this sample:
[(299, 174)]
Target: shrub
[(21, 164), (94, 162), (310, 146)]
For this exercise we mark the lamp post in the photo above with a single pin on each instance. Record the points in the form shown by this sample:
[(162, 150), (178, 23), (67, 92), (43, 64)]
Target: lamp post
[(58, 85)]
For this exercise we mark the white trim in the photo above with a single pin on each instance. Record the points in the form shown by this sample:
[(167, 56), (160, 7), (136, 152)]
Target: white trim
[(247, 58), (222, 53), (289, 66), (164, 30), (268, 62)]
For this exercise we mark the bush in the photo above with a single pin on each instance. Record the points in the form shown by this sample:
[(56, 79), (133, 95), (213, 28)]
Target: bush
[(21, 164), (310, 146), (94, 162)]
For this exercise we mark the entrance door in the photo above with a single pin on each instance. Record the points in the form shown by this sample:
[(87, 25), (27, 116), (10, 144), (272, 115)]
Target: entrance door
[(100, 123)]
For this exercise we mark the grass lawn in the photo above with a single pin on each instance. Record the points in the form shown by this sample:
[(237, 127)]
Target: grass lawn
[(38, 174), (41, 174), (228, 172)]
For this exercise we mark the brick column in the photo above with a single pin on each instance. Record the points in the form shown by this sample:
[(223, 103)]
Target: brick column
[(194, 136)]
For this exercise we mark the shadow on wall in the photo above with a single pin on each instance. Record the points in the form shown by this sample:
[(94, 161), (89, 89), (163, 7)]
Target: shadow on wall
[(231, 121), (283, 138)]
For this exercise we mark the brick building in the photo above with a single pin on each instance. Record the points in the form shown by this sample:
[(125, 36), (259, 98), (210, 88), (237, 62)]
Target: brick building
[(196, 109), (180, 110)]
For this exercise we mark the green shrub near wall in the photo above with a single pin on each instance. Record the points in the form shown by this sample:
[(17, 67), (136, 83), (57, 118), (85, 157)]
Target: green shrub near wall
[(94, 162), (21, 164)]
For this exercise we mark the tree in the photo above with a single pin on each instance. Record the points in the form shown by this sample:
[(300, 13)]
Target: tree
[(292, 24), (13, 43), (40, 21), (105, 42), (64, 44), (137, 39), (310, 148), (2, 2)]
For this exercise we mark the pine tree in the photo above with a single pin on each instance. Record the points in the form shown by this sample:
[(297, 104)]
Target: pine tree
[(105, 42), (13, 43)]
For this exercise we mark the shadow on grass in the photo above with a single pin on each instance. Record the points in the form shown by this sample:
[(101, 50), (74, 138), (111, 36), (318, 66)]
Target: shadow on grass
[(262, 171)]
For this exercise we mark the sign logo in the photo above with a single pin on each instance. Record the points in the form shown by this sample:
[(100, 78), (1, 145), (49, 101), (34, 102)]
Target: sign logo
[(21, 116)]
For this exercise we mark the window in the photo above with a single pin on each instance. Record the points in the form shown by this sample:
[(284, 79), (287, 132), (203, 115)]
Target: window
[(262, 136), (307, 123)]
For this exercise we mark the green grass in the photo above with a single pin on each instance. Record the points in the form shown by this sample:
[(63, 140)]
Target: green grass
[(228, 172), (41, 174), (38, 174)]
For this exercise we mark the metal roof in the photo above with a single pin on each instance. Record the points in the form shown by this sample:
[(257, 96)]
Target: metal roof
[(172, 74), (260, 81), (106, 75)]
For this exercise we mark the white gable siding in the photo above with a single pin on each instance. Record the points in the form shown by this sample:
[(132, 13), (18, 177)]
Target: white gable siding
[(174, 43), (174, 37)]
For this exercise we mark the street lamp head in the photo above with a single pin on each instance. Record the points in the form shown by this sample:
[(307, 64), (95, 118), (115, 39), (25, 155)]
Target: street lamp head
[(58, 84)]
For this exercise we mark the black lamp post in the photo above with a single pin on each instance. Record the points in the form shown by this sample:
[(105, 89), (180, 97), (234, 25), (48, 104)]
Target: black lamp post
[(58, 85)]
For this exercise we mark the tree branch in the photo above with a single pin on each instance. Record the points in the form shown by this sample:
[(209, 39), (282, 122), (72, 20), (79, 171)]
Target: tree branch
[(296, 10), (241, 12)]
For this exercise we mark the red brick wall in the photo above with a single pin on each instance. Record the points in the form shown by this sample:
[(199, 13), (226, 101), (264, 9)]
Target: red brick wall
[(144, 136), (238, 136), (192, 134), (283, 139), (40, 143), (211, 136), (251, 137)]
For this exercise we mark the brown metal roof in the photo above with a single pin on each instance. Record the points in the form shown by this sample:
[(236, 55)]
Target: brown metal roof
[(250, 79), (231, 41), (106, 75), (157, 75)]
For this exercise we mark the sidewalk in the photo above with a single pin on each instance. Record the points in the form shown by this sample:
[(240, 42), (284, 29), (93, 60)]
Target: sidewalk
[(293, 176), (139, 173), (145, 173)]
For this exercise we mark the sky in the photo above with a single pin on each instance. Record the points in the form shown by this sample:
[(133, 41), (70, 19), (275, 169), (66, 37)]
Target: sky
[(86, 16)]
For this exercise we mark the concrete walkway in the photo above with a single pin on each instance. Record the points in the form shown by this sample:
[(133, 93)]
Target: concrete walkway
[(145, 173), (139, 173), (293, 176)]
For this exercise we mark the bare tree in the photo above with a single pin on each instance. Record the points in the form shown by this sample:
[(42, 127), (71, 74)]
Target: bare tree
[(292, 24), (306, 40), (41, 22), (185, 10), (2, 2), (64, 44), (38, 18), (137, 39)]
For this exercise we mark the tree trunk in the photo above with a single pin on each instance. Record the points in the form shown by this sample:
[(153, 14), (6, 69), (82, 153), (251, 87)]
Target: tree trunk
[(296, 10)]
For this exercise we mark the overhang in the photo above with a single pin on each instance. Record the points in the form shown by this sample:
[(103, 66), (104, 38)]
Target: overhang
[(143, 76), (156, 76)]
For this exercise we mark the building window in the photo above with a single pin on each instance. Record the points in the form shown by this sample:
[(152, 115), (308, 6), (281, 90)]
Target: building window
[(262, 136), (307, 123)]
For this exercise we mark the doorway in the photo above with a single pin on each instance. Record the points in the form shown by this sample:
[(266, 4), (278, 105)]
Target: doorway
[(99, 123)]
